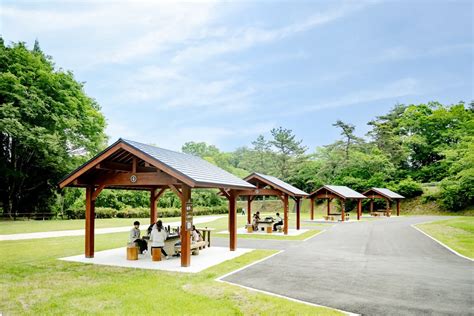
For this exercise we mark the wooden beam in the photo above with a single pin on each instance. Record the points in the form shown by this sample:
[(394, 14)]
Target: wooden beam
[(97, 192), (225, 193), (249, 209), (125, 179), (113, 166), (90, 218), (232, 221), (359, 209), (185, 197), (285, 212), (298, 205), (312, 208), (343, 210), (159, 193), (134, 164), (175, 190), (326, 196)]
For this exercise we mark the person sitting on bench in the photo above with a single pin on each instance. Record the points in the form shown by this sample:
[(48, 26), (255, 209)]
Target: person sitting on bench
[(278, 222), (256, 218), (135, 237), (158, 237), (196, 235)]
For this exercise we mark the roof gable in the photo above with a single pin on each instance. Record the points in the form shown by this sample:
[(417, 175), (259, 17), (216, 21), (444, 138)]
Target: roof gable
[(385, 192), (341, 191), (276, 183), (191, 170)]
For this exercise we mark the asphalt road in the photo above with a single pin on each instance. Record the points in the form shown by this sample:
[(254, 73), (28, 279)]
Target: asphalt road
[(382, 267)]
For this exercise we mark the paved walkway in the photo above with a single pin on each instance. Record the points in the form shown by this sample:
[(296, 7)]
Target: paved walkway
[(383, 267), (99, 231)]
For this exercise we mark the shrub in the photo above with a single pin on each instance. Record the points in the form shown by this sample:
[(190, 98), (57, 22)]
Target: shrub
[(408, 188)]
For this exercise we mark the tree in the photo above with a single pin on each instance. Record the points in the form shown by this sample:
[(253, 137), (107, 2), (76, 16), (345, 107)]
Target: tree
[(200, 149), (45, 116), (288, 150), (347, 130)]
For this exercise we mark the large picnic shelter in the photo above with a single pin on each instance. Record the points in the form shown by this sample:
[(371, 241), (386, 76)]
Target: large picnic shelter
[(342, 193), (388, 195), (132, 165), (271, 186)]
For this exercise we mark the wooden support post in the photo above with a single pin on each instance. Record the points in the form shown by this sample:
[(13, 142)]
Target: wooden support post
[(285, 212), (232, 221), (329, 206), (90, 218), (153, 216), (359, 209), (387, 207), (298, 206), (312, 208), (343, 210), (371, 206), (185, 234), (398, 207), (249, 210)]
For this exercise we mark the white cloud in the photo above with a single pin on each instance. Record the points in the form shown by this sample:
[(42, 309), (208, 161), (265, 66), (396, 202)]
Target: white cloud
[(395, 89)]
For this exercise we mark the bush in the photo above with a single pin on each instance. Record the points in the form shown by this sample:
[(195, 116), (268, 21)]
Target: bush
[(458, 194), (408, 188)]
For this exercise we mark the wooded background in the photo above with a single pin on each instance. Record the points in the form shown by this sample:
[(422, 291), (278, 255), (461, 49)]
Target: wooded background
[(49, 126)]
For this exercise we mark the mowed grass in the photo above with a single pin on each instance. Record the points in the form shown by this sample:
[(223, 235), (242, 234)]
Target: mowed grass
[(222, 225), (456, 233), (32, 226), (33, 281)]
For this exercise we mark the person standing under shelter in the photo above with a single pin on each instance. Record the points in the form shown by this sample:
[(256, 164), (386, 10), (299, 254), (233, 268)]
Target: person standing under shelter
[(157, 237)]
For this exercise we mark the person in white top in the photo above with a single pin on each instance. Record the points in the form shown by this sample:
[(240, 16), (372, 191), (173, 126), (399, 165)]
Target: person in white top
[(278, 222), (158, 237)]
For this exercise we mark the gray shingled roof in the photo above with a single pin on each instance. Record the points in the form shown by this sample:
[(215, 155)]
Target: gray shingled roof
[(197, 169), (343, 191), (279, 184), (388, 193)]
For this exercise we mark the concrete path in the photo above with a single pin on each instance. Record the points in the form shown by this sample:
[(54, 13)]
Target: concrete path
[(99, 231), (383, 267)]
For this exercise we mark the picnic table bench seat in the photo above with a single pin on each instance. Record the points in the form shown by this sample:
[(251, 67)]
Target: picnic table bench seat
[(195, 247)]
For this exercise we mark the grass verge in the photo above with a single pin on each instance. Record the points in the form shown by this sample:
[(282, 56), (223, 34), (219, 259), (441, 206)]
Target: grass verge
[(456, 233), (303, 236), (33, 281)]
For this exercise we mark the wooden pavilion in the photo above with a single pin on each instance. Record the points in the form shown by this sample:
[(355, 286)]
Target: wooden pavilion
[(386, 194), (342, 193), (131, 165), (271, 186)]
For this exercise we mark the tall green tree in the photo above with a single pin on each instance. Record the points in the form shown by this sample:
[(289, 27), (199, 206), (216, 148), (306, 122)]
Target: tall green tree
[(347, 130), (289, 151), (45, 117)]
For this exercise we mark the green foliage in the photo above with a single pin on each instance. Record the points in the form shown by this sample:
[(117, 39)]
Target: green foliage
[(46, 119), (408, 188)]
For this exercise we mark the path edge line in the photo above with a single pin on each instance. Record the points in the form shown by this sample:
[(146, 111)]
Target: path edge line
[(317, 234), (439, 242)]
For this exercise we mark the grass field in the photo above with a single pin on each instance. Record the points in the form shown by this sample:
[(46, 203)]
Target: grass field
[(33, 281), (456, 233)]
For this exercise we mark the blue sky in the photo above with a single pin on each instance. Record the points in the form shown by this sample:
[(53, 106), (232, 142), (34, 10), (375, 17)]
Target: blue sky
[(168, 72)]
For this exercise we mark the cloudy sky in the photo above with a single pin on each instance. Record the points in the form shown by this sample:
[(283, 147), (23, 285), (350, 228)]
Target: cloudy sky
[(168, 72)]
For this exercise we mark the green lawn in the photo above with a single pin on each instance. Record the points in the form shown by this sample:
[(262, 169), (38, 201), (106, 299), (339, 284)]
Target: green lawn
[(33, 281), (32, 226), (456, 233), (303, 236)]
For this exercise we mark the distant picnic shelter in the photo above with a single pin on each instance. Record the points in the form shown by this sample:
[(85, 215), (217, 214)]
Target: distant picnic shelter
[(342, 193), (132, 165), (386, 194), (271, 186)]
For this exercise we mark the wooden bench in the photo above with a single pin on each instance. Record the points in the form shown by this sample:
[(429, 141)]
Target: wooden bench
[(249, 228), (195, 247), (327, 218)]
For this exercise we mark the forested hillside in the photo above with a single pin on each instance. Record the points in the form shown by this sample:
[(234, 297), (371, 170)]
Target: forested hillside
[(48, 126)]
